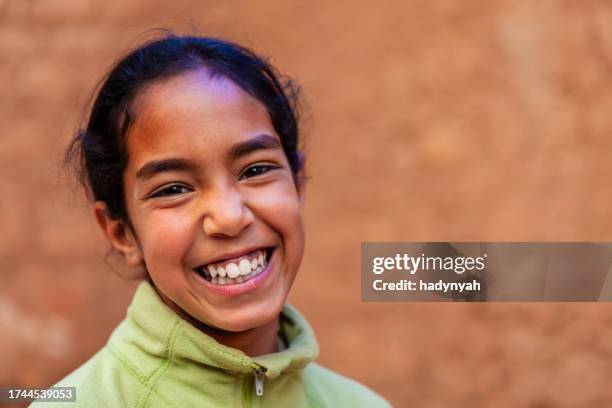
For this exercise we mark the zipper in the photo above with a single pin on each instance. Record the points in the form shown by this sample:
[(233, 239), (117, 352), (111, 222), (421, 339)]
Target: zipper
[(260, 375)]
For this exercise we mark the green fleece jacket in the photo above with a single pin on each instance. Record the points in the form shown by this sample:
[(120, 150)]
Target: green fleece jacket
[(156, 359)]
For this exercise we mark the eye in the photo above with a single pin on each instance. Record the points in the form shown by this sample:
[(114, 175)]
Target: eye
[(171, 190), (257, 170)]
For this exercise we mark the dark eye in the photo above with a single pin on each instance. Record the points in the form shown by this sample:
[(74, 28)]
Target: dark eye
[(257, 170), (174, 189)]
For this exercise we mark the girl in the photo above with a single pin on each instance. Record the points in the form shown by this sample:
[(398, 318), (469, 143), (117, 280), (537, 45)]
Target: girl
[(191, 157)]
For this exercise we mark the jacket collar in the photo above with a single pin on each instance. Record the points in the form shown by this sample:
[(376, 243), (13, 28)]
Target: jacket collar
[(152, 329)]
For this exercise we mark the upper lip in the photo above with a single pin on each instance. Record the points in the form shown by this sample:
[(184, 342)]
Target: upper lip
[(234, 254)]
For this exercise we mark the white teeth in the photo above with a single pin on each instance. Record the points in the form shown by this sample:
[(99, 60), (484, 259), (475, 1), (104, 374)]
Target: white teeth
[(237, 272), (212, 271), (244, 266), (232, 270)]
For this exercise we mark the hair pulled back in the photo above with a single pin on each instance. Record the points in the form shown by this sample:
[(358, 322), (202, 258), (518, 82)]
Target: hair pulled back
[(100, 148)]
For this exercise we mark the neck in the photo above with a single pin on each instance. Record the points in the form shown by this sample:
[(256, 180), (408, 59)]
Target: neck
[(253, 342)]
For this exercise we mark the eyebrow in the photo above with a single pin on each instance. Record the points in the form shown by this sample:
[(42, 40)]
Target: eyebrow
[(260, 142), (159, 166)]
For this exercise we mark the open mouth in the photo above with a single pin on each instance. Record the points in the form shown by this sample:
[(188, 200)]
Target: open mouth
[(236, 270)]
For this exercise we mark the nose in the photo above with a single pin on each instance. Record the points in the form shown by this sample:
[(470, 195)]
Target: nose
[(226, 213)]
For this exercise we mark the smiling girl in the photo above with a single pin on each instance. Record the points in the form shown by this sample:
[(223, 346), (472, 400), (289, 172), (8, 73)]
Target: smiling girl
[(191, 157)]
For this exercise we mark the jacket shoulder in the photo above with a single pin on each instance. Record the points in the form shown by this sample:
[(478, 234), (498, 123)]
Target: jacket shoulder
[(326, 388), (102, 381)]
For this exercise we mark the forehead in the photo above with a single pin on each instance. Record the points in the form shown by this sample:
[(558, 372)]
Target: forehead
[(193, 111)]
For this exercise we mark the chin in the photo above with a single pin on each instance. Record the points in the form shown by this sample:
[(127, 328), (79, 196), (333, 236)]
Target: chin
[(243, 320)]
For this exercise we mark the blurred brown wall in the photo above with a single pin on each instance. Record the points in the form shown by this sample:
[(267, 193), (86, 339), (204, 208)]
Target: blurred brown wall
[(427, 120)]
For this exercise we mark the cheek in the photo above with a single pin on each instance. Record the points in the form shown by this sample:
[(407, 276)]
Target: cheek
[(280, 209), (168, 236)]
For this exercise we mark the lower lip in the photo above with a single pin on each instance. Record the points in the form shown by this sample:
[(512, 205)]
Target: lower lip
[(239, 288)]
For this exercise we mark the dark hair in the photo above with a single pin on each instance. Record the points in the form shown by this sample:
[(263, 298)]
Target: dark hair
[(101, 146)]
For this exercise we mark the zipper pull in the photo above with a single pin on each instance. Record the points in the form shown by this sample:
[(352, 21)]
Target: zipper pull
[(260, 375)]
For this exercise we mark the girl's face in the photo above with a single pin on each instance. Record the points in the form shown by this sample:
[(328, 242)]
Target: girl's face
[(216, 213)]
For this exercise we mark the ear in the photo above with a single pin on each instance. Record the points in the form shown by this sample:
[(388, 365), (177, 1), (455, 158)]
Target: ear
[(119, 235), (300, 178), (300, 185)]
